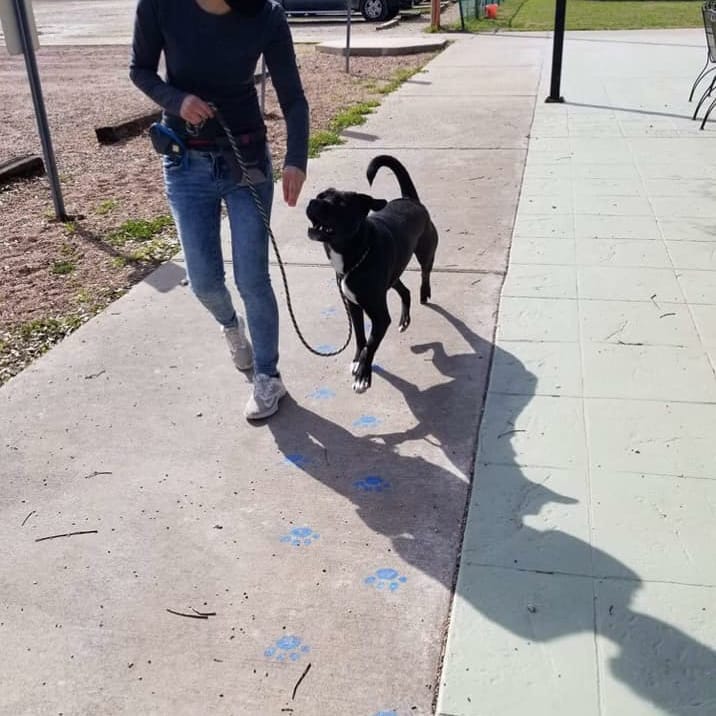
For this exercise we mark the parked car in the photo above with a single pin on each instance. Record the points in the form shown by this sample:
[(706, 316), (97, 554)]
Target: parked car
[(372, 10)]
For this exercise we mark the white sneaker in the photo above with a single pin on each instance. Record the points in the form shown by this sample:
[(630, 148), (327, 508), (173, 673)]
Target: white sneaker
[(264, 401), (239, 345)]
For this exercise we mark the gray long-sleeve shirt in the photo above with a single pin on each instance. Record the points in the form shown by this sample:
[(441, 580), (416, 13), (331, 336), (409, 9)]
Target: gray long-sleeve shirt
[(214, 57)]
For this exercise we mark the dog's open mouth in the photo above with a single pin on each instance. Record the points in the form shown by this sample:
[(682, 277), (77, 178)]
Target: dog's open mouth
[(319, 231)]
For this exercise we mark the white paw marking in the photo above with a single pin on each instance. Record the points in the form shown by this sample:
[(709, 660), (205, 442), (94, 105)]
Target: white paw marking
[(360, 386)]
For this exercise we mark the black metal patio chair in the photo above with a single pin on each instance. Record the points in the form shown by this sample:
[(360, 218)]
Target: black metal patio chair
[(708, 12)]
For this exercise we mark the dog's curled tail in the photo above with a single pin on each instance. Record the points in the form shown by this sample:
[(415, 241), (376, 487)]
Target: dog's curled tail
[(407, 188)]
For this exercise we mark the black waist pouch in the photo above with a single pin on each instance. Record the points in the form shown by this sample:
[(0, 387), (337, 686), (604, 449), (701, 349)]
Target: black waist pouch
[(166, 141)]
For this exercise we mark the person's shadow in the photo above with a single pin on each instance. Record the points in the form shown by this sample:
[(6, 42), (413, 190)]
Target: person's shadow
[(424, 521)]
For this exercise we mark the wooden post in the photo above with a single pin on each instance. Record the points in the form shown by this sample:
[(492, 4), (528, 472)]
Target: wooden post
[(434, 15)]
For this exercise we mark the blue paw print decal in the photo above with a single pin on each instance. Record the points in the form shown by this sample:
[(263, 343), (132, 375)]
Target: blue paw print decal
[(385, 578), (329, 312), (322, 394), (295, 458), (386, 713), (366, 421), (326, 348), (372, 483), (287, 648), (300, 536)]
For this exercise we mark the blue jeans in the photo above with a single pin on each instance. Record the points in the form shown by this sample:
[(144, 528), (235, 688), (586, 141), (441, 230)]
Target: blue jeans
[(195, 190)]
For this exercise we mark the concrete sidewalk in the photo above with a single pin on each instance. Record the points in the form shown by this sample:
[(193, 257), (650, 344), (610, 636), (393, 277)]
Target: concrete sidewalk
[(588, 577), (328, 537)]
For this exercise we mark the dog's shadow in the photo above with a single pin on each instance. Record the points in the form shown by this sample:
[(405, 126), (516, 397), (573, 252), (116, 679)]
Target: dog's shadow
[(422, 515), (446, 413)]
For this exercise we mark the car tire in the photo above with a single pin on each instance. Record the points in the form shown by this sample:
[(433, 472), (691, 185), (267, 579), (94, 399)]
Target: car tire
[(374, 10)]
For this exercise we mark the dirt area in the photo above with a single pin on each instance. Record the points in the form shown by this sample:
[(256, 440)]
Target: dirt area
[(54, 276)]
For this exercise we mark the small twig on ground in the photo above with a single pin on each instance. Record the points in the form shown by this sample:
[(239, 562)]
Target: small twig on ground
[(27, 518), (189, 616), (664, 315), (204, 614), (298, 683), (95, 473), (510, 432), (94, 375), (68, 534)]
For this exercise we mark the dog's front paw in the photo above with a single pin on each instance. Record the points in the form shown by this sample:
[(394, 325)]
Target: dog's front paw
[(354, 367), (363, 376), (360, 385), (404, 323)]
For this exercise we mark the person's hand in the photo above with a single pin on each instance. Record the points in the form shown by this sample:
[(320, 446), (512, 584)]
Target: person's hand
[(293, 179), (194, 110)]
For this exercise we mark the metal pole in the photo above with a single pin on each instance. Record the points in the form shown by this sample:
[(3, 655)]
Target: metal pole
[(349, 12), (263, 86), (40, 114), (560, 14)]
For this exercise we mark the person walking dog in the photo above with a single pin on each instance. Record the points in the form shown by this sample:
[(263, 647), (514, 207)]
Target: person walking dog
[(211, 48)]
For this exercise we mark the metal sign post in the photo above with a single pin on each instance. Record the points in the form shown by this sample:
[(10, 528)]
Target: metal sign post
[(348, 35), (20, 23), (263, 86), (560, 15)]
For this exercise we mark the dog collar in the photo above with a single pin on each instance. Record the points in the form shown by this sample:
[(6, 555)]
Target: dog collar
[(360, 261)]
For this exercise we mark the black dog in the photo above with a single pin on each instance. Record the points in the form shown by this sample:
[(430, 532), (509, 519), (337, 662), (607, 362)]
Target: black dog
[(369, 254)]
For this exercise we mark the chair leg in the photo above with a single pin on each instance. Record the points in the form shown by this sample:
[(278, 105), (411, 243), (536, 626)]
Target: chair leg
[(708, 112), (705, 96), (702, 74)]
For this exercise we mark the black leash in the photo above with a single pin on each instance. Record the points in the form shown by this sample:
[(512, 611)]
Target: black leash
[(264, 216)]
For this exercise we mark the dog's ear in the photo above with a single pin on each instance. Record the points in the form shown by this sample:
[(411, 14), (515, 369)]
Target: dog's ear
[(368, 203)]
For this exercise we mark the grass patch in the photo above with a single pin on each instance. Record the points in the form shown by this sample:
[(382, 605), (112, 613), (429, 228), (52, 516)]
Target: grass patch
[(107, 206), (67, 262), (593, 15), (144, 241), (353, 115), (138, 230), (63, 267), (155, 250), (320, 140), (402, 75)]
